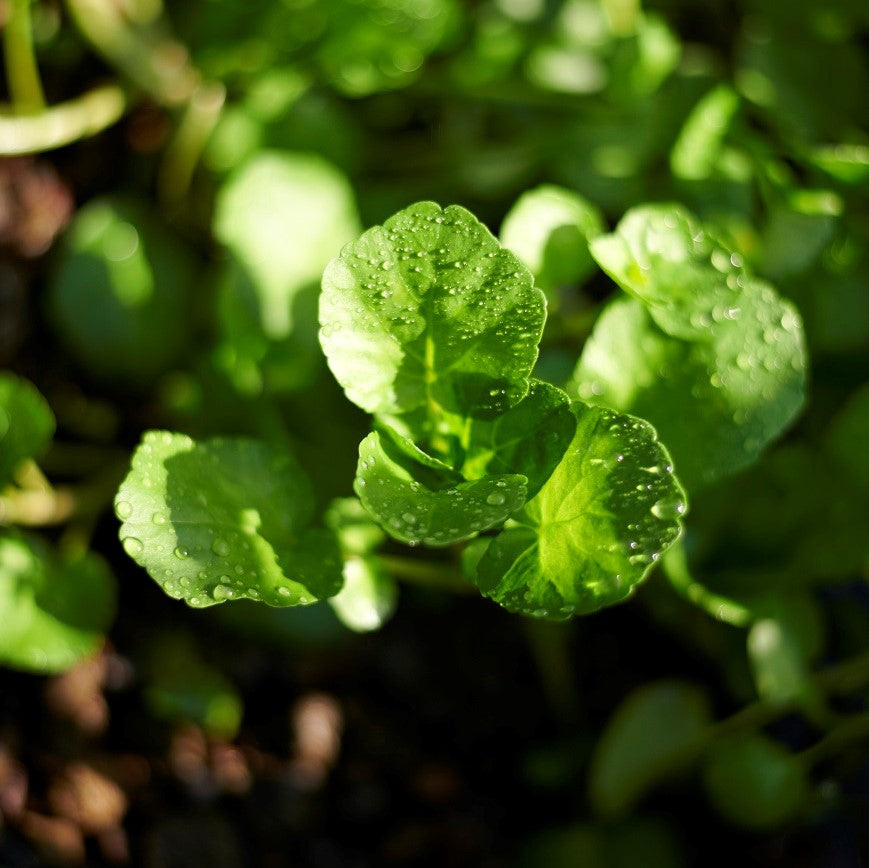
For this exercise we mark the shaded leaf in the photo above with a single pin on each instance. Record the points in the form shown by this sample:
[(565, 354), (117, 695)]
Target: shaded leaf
[(653, 734)]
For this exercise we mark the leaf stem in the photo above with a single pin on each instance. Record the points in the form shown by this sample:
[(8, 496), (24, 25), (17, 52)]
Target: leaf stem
[(851, 729), (425, 574), (724, 609), (63, 123), (22, 73)]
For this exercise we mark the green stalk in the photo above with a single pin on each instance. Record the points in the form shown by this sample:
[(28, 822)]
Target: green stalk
[(721, 608), (426, 574), (22, 73), (64, 123)]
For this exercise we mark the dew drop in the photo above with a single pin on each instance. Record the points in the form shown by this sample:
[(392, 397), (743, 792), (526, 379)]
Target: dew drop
[(159, 518), (133, 546), (123, 509), (181, 553), (665, 509), (220, 547), (495, 499)]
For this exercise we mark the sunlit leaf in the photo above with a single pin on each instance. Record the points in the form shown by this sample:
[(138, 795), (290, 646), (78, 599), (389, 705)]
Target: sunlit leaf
[(53, 610), (419, 504), (429, 310), (596, 527), (225, 519)]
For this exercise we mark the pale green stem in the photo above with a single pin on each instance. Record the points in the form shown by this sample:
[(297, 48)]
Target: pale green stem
[(721, 608), (62, 124), (850, 730), (183, 152), (549, 642), (159, 65), (22, 73), (426, 574)]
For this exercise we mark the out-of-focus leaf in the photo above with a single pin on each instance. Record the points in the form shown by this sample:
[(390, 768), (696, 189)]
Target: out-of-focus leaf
[(754, 782), (652, 735), (368, 598), (282, 216), (120, 294), (548, 229), (53, 610), (26, 424)]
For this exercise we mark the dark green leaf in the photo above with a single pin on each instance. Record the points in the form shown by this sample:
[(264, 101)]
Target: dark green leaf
[(120, 295), (530, 438), (653, 734), (429, 311), (225, 519), (754, 782), (596, 527)]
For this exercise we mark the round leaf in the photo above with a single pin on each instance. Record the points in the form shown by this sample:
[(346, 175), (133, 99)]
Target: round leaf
[(282, 216), (596, 527), (429, 311), (548, 229), (225, 519), (120, 294)]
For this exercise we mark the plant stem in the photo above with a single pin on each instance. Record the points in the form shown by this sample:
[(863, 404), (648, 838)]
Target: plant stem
[(64, 123), (22, 73), (721, 608), (550, 646), (851, 729), (194, 129), (154, 62), (425, 574)]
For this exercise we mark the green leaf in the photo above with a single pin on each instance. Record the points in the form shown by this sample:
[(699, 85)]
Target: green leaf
[(225, 519), (429, 311), (26, 424), (596, 527), (754, 782), (357, 533), (120, 294), (282, 216), (549, 229), (663, 256), (529, 439), (696, 153), (181, 685), (653, 734), (53, 610), (716, 399), (368, 598), (389, 485)]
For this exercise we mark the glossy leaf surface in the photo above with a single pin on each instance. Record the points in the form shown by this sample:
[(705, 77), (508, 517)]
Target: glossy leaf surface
[(429, 311), (416, 503), (225, 519), (595, 528)]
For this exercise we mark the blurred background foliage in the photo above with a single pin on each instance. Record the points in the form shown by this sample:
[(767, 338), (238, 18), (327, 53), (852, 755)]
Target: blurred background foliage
[(175, 177)]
